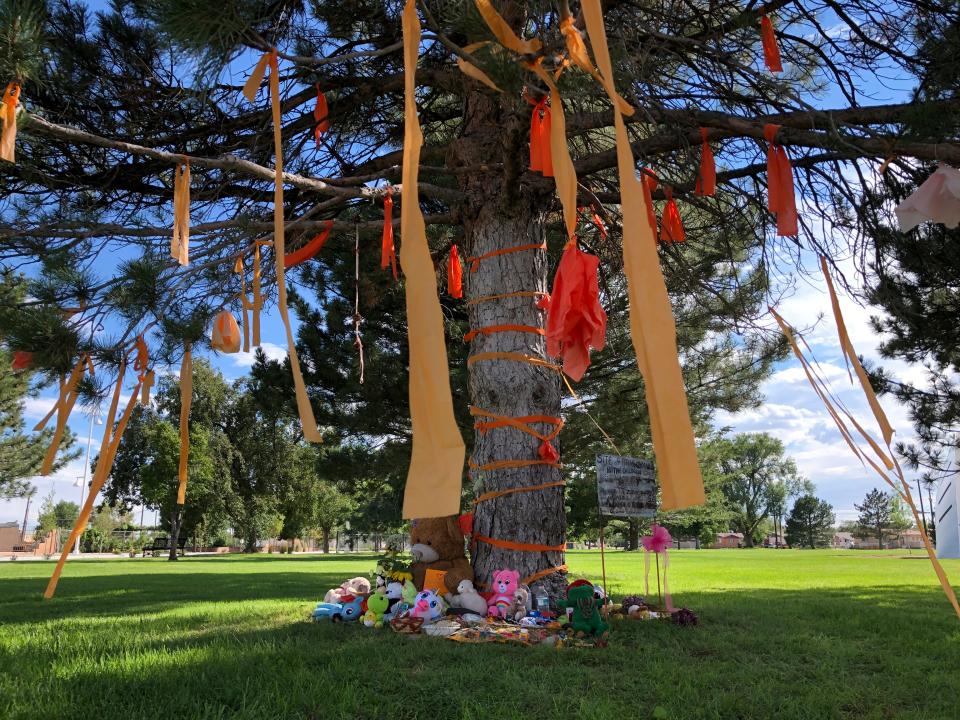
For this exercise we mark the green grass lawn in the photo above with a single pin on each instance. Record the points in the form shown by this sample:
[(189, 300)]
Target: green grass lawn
[(783, 634)]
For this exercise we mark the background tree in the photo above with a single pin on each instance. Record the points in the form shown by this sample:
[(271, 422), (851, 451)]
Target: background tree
[(90, 81), (810, 523), (754, 463), (876, 512)]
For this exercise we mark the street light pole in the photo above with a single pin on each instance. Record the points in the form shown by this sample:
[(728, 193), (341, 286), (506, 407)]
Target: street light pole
[(86, 469)]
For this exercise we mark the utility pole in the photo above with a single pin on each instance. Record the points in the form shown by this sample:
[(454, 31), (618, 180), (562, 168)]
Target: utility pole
[(26, 514)]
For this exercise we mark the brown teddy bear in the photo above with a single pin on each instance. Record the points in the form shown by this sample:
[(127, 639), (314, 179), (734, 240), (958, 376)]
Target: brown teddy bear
[(437, 544)]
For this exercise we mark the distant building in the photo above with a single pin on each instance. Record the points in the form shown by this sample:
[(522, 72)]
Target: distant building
[(9, 536), (728, 540), (844, 540), (947, 517)]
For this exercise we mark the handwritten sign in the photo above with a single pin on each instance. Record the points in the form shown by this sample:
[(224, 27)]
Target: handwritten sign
[(626, 486)]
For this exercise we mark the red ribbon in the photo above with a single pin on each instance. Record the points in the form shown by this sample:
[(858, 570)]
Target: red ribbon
[(454, 274), (707, 181), (541, 158), (671, 227), (309, 250), (22, 360), (782, 201), (649, 185), (320, 115), (388, 253), (771, 51)]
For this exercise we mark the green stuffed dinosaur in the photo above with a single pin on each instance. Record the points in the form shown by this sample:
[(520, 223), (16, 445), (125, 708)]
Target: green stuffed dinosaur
[(586, 616)]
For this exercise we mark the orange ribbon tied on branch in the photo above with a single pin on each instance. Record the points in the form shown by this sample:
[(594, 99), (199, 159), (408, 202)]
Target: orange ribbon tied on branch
[(782, 201), (454, 274), (707, 180), (575, 321), (321, 116), (22, 360), (8, 137), (541, 157), (649, 185), (180, 243), (771, 51), (671, 227), (388, 252)]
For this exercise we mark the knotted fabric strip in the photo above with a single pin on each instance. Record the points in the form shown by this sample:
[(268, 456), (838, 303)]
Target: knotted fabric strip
[(707, 179), (781, 201), (771, 50), (180, 243)]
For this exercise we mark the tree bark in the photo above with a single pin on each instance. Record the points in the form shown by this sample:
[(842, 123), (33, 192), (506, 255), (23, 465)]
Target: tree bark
[(175, 522), (633, 536), (505, 212), (325, 534)]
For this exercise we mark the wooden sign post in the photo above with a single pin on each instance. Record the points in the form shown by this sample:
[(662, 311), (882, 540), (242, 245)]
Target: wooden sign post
[(626, 487)]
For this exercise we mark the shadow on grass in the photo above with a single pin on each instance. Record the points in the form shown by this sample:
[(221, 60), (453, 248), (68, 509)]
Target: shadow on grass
[(188, 645)]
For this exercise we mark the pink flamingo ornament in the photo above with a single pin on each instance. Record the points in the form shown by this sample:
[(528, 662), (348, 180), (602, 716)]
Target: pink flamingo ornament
[(657, 543)]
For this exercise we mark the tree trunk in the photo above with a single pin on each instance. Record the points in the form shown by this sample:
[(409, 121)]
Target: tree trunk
[(325, 534), (506, 213), (175, 522), (633, 535)]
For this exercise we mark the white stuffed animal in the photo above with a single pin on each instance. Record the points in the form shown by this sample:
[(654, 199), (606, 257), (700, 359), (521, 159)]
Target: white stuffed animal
[(468, 598)]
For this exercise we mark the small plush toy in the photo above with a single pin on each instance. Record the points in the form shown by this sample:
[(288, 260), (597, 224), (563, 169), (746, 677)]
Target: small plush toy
[(438, 544), (349, 609), (376, 606), (409, 592), (504, 585), (521, 600), (428, 606), (353, 586), (394, 594), (468, 598), (585, 616)]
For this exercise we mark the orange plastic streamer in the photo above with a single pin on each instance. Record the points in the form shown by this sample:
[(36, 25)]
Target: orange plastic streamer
[(649, 185), (257, 295), (524, 424), (541, 159), (771, 51), (577, 50), (901, 487), (307, 420), (63, 408), (503, 32), (651, 321), (540, 574), (474, 261), (454, 274), (186, 400), (707, 180), (105, 461), (520, 546), (180, 243), (436, 463), (310, 249), (8, 136), (388, 252), (671, 227), (782, 201), (245, 303), (320, 116)]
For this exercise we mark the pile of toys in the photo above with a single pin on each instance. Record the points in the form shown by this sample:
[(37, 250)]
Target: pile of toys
[(436, 595)]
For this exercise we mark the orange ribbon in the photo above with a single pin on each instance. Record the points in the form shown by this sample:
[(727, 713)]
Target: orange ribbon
[(388, 252), (649, 185), (781, 201), (307, 419), (541, 159), (524, 424), (310, 249), (503, 32), (108, 451), (707, 180), (454, 274), (671, 228), (63, 408), (490, 329), (471, 70), (520, 546), (320, 116), (8, 137), (771, 51), (22, 359), (474, 261), (180, 243)]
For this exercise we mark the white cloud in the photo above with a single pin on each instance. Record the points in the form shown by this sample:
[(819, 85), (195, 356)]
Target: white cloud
[(272, 351)]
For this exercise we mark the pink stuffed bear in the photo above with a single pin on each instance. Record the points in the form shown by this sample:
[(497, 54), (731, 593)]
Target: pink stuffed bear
[(504, 586)]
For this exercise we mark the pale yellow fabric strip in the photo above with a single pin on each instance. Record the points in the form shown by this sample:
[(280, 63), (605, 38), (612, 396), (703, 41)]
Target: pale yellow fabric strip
[(851, 354), (8, 136), (64, 406), (651, 319), (104, 463), (471, 70), (503, 32), (186, 400), (180, 243), (435, 476)]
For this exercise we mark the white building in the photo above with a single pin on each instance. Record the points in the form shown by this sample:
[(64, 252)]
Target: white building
[(947, 516)]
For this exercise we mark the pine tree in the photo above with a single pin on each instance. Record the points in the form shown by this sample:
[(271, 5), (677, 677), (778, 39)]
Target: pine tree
[(810, 523), (876, 513), (114, 102)]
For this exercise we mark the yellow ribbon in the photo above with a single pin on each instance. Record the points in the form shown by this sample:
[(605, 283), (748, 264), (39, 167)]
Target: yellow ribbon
[(307, 420), (503, 32), (180, 244), (652, 326), (436, 464), (63, 407), (8, 136), (186, 400), (471, 70)]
